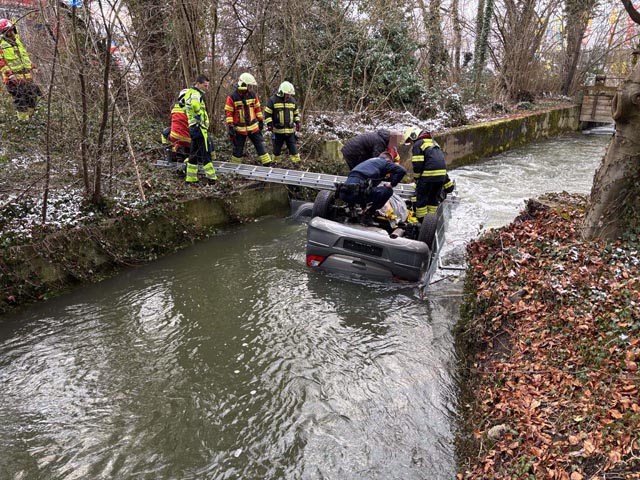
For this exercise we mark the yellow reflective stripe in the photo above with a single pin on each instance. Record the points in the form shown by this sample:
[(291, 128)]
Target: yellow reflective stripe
[(265, 158), (209, 171), (228, 108), (432, 209), (417, 158), (267, 109), (175, 136), (421, 212), (449, 184), (284, 131), (426, 144), (434, 173), (278, 105)]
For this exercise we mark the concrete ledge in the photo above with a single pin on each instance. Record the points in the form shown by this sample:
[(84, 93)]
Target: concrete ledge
[(465, 145), (87, 254)]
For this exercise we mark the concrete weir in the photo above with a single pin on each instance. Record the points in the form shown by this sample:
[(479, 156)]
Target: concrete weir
[(87, 254)]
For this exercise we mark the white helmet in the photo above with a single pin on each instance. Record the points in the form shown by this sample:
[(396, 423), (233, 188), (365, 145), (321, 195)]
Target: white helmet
[(286, 88), (246, 79)]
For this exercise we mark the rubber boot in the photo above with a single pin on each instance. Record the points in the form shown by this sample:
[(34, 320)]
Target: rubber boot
[(265, 159)]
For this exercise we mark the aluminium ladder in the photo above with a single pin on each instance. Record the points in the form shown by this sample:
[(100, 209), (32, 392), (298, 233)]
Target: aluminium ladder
[(321, 181)]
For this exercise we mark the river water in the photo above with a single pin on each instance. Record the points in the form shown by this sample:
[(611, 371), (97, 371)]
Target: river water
[(232, 360)]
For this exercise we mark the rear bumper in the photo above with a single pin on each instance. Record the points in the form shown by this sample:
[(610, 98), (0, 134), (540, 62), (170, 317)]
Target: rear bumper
[(365, 251)]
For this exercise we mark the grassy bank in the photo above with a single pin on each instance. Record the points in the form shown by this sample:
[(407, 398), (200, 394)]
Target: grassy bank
[(552, 344)]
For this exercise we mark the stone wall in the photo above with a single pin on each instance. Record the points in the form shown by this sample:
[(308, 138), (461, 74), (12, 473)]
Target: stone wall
[(86, 254), (465, 145)]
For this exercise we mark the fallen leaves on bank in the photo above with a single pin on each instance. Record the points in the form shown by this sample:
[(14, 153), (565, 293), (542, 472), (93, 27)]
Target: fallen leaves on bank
[(555, 332)]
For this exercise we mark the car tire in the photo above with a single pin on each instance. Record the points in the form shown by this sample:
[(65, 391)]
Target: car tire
[(428, 229), (322, 204)]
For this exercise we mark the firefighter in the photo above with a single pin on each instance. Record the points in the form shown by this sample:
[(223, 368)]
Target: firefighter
[(429, 171), (370, 145), (17, 71), (244, 119), (381, 174), (198, 120), (283, 120), (176, 138)]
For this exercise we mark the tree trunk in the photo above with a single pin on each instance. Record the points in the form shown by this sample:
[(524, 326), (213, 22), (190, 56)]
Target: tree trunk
[(615, 195), (577, 14)]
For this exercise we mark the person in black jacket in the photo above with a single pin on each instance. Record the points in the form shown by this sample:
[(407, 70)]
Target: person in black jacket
[(374, 180), (429, 171), (369, 145), (282, 118)]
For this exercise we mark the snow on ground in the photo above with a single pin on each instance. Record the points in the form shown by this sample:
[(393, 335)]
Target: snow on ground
[(340, 125)]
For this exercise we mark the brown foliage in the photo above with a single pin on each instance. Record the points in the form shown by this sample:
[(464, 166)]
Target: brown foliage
[(567, 388)]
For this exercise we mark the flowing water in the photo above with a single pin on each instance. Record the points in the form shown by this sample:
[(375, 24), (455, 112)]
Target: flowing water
[(232, 360)]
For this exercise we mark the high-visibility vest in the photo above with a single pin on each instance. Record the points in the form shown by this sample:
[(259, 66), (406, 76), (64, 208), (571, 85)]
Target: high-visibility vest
[(14, 60), (195, 108)]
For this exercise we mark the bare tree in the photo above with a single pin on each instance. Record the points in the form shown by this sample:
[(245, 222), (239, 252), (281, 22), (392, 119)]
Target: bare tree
[(577, 15), (614, 208), (521, 28)]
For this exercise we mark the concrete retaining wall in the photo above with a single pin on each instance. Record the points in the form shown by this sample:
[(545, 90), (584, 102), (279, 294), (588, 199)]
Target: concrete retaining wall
[(467, 144), (87, 254)]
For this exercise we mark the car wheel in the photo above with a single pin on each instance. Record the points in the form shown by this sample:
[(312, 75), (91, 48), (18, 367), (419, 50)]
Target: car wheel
[(322, 204), (428, 229)]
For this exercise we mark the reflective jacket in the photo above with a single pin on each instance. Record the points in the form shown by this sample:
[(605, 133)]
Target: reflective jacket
[(282, 113), (243, 111), (428, 161), (195, 108), (179, 123), (14, 60), (365, 146)]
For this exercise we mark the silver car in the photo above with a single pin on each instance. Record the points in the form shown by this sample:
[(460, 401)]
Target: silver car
[(394, 247)]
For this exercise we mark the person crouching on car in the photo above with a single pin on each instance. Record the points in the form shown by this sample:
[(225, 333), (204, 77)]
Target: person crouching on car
[(382, 174)]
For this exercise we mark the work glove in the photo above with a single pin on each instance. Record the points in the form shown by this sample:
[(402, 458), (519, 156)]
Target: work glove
[(270, 127), (297, 126), (260, 124), (232, 132)]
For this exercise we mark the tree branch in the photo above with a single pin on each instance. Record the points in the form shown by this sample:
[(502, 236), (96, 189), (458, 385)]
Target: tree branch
[(633, 13)]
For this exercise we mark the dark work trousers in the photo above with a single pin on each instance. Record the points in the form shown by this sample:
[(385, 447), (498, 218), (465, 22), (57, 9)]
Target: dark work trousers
[(200, 147), (25, 95), (257, 140), (428, 193), (377, 197), (280, 139)]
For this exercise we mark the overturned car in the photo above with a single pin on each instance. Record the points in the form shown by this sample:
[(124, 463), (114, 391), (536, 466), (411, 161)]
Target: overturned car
[(395, 246)]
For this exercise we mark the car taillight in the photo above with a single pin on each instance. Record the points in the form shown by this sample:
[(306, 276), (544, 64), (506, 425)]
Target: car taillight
[(314, 260)]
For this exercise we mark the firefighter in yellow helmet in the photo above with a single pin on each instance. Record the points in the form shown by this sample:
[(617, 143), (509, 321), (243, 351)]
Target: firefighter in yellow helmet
[(244, 118), (201, 145), (282, 118), (17, 71), (429, 171)]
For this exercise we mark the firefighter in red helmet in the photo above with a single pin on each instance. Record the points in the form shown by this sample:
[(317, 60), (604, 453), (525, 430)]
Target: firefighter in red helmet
[(17, 71)]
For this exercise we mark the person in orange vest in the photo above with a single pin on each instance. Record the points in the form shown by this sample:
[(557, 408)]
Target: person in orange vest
[(245, 120), (176, 139), (17, 71)]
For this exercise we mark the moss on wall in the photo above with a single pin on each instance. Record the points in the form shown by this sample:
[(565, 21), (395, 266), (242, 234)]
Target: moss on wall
[(470, 143), (34, 272)]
